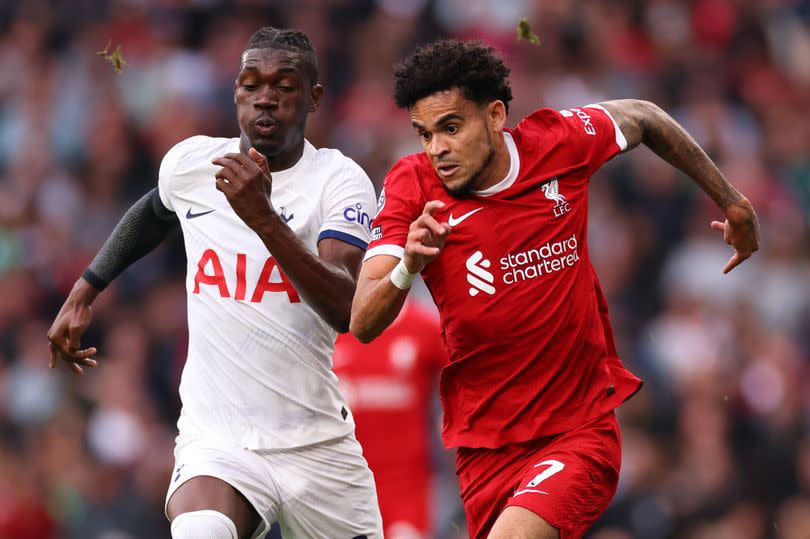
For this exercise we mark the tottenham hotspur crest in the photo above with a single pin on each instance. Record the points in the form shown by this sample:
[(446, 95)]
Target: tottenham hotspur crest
[(552, 192)]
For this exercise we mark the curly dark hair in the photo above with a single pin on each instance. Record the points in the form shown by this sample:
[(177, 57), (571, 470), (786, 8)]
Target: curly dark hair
[(268, 37), (469, 66)]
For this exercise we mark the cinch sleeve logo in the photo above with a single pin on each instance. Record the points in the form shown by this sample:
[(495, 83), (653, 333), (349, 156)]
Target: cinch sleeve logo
[(355, 214), (381, 200)]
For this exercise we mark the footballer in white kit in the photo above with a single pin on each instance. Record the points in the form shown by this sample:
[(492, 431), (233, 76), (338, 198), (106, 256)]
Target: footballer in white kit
[(258, 378), (264, 433)]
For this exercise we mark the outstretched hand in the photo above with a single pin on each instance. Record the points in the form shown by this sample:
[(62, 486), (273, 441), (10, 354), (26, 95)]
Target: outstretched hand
[(741, 231), (65, 335), (426, 238), (245, 181)]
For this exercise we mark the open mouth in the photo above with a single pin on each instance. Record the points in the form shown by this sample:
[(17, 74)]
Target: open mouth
[(264, 126), (447, 169)]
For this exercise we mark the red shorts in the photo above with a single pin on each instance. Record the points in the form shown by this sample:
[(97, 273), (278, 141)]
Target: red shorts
[(568, 479)]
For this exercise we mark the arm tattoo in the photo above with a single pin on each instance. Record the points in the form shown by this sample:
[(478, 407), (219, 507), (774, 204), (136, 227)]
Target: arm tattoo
[(664, 136)]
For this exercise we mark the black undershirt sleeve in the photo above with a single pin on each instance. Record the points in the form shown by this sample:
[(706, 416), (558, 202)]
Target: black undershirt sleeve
[(146, 224)]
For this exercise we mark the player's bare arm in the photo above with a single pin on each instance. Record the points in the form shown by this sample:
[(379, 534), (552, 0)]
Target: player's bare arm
[(70, 323), (144, 226), (378, 299), (326, 281), (645, 122)]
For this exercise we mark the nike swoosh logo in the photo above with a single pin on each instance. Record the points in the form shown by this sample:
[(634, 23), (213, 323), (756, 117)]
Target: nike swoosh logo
[(190, 215), (525, 490), (454, 221)]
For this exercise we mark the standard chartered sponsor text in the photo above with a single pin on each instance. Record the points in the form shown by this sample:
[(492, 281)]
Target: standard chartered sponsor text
[(550, 257)]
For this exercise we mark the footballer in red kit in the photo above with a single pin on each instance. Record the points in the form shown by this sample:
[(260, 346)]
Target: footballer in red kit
[(389, 385), (495, 220), (517, 259)]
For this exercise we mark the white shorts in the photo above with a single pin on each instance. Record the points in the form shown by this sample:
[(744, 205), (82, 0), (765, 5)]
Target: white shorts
[(324, 490)]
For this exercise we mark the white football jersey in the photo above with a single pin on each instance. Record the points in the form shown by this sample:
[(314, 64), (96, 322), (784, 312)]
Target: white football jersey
[(259, 368)]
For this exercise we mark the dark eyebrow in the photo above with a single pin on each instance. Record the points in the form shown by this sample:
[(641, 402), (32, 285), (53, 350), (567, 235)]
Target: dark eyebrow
[(443, 120), (282, 70)]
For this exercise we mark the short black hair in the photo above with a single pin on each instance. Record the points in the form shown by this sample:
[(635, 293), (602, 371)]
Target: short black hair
[(469, 66), (268, 37)]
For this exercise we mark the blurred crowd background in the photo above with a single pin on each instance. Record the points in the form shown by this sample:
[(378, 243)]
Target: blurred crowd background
[(716, 445)]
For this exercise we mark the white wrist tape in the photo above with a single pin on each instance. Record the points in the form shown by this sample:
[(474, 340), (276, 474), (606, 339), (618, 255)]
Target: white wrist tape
[(401, 277)]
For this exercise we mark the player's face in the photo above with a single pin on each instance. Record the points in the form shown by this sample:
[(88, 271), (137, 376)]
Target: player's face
[(273, 97), (458, 136)]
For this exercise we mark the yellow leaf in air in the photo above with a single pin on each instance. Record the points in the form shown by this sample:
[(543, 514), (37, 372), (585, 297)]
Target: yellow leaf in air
[(116, 58), (524, 31)]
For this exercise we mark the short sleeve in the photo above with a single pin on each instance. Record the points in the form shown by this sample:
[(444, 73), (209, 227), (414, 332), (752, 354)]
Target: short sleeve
[(398, 206), (349, 207), (618, 136), (167, 168), (594, 136), (583, 137)]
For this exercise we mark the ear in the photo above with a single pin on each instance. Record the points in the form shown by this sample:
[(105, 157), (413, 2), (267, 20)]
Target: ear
[(315, 96), (496, 114), (235, 86)]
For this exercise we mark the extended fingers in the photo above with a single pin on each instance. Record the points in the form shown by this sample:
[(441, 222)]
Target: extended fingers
[(427, 219), (735, 260), (238, 169), (230, 170), (243, 160), (88, 362), (75, 359), (427, 222), (75, 336), (236, 162), (52, 353), (421, 235), (223, 179), (85, 355), (73, 355), (432, 206)]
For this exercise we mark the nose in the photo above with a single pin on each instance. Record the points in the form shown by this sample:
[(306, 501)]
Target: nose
[(266, 97), (437, 147)]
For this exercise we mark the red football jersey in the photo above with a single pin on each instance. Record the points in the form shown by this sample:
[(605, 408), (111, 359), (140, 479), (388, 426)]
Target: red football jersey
[(523, 316), (389, 385)]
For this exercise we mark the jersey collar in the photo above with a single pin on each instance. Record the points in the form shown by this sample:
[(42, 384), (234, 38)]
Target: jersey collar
[(514, 168), (306, 157)]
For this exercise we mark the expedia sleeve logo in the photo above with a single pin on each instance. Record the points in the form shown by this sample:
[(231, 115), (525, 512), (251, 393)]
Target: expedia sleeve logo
[(583, 116), (376, 233), (356, 214)]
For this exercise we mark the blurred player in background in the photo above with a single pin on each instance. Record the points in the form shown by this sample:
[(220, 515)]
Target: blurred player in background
[(390, 385), (495, 220), (274, 231)]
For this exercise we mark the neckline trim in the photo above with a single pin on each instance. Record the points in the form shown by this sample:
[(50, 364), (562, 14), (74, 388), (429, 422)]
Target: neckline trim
[(514, 169), (306, 157)]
